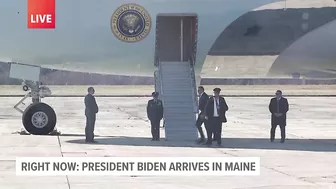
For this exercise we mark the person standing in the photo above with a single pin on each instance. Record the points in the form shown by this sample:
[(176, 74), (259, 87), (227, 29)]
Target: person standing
[(203, 99), (278, 107), (155, 114), (215, 111), (91, 109)]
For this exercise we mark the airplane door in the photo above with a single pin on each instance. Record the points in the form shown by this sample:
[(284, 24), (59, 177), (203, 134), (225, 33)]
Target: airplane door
[(175, 37)]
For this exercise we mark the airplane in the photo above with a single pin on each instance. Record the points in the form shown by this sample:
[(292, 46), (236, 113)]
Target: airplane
[(111, 36)]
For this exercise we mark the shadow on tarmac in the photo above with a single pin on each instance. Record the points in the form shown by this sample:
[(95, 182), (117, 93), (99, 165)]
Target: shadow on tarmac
[(82, 135), (314, 145)]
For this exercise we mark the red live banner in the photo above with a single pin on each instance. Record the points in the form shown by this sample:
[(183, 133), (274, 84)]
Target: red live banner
[(41, 14)]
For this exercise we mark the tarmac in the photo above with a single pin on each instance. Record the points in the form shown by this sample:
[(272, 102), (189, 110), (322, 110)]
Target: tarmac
[(305, 161)]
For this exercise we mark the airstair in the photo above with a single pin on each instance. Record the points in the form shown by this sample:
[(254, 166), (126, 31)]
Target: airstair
[(175, 81)]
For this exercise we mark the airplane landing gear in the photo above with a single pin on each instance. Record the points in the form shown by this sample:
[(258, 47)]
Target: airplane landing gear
[(25, 88), (38, 118)]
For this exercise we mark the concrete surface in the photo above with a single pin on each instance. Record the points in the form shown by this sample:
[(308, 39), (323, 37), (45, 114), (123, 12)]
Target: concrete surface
[(305, 161)]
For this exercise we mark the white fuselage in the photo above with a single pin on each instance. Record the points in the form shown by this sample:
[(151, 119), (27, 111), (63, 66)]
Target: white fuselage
[(83, 39)]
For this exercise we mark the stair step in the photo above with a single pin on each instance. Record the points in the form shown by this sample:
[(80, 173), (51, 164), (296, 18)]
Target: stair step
[(179, 85), (191, 136), (181, 100), (187, 129), (184, 127), (174, 100), (179, 123), (170, 104), (176, 80), (173, 105), (170, 108), (176, 71), (176, 75), (177, 94), (184, 135), (184, 119), (181, 96), (186, 99), (175, 65), (176, 84), (178, 115), (191, 130), (174, 111), (183, 73), (176, 91), (166, 68), (184, 94), (186, 116)]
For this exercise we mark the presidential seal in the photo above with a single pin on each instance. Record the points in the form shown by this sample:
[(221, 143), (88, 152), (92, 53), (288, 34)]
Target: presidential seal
[(130, 23)]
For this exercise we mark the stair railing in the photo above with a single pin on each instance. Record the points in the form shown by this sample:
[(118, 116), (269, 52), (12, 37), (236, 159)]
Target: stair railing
[(161, 92), (193, 86)]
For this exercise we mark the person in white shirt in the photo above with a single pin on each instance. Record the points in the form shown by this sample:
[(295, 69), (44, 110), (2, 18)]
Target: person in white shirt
[(214, 112)]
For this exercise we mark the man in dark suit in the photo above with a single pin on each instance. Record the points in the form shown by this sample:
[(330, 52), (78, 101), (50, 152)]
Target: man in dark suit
[(155, 114), (278, 107), (203, 99), (215, 111), (91, 109)]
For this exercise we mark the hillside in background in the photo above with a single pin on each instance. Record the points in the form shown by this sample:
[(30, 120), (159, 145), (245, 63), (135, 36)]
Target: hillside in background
[(58, 77)]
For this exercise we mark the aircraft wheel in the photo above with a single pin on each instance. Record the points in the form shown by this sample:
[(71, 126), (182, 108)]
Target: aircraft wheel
[(39, 119), (25, 87)]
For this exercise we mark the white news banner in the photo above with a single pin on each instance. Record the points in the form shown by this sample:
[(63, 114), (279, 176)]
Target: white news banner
[(150, 166)]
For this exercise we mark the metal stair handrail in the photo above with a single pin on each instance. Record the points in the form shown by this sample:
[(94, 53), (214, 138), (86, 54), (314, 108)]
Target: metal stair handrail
[(161, 95), (193, 86)]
